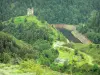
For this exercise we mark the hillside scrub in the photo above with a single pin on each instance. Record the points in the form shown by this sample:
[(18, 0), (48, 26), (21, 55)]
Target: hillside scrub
[(10, 48), (31, 30)]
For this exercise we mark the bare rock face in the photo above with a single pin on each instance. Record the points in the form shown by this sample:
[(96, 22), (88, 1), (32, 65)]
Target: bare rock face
[(30, 11)]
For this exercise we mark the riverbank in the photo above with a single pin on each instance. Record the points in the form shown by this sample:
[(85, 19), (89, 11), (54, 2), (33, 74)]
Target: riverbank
[(75, 33), (81, 37)]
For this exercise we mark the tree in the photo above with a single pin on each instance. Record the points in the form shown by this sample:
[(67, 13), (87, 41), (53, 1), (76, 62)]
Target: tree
[(94, 21)]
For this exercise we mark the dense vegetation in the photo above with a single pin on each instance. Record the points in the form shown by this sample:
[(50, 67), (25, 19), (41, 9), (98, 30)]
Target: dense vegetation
[(92, 28), (18, 52), (53, 11), (10, 47), (94, 51), (39, 35), (57, 12), (35, 42), (29, 29), (29, 45), (13, 51)]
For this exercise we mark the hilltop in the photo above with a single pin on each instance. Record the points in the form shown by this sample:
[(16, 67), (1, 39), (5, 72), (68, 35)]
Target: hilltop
[(29, 29)]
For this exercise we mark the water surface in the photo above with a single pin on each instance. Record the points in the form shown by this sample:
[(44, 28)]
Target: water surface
[(69, 35)]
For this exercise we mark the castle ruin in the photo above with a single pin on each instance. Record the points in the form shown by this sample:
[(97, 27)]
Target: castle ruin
[(30, 11)]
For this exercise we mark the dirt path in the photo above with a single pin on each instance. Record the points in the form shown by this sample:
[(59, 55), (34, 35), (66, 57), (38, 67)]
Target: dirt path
[(73, 30)]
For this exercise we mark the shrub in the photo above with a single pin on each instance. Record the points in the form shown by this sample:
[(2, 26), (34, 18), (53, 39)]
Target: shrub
[(12, 20), (25, 20), (67, 66), (70, 45), (98, 46), (95, 68), (48, 56), (5, 57), (76, 52), (42, 45), (31, 66), (90, 46), (55, 67)]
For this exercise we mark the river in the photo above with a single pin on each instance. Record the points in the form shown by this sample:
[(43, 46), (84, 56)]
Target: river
[(69, 35)]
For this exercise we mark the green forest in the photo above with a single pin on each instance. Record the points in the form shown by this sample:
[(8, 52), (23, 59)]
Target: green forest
[(31, 43), (53, 11)]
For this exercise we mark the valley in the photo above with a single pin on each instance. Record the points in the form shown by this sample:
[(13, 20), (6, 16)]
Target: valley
[(50, 37)]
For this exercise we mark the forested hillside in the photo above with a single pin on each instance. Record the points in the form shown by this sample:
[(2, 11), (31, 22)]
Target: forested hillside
[(40, 48), (30, 44), (53, 11), (92, 28), (18, 57), (40, 35)]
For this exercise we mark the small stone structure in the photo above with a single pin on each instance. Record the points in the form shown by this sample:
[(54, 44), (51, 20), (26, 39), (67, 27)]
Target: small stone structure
[(30, 11)]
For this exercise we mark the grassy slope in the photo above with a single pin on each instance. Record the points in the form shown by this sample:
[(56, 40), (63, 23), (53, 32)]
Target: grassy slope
[(91, 50), (21, 19), (67, 53), (26, 68)]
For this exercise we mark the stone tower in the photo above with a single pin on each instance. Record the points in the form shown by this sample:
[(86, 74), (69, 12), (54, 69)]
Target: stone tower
[(30, 11)]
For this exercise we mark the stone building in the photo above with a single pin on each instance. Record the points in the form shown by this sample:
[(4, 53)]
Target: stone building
[(30, 11)]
